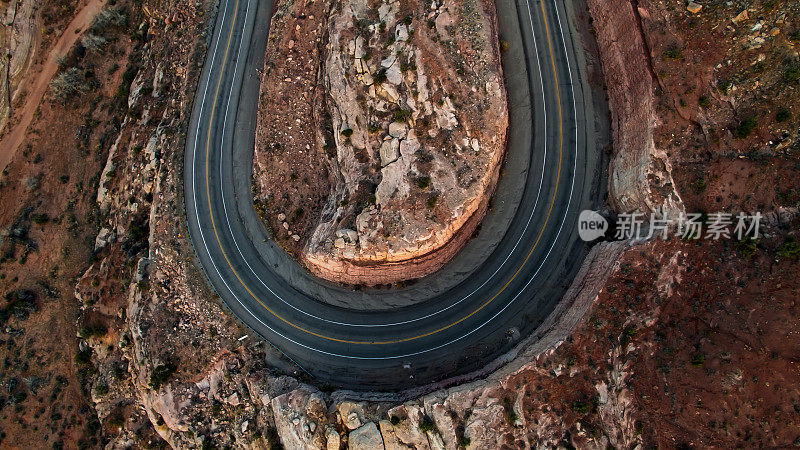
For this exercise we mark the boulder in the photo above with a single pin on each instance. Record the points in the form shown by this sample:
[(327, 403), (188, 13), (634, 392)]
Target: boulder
[(366, 437)]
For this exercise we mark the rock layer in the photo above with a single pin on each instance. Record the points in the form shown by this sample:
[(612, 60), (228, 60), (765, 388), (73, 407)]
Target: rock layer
[(399, 121), (640, 173)]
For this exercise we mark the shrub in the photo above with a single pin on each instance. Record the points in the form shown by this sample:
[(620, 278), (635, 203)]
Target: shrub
[(347, 132), (116, 421), (673, 53), (580, 407), (747, 247), (723, 86), (379, 77), (433, 200), (704, 102), (139, 228), (745, 127), (161, 374), (698, 360), (40, 219), (130, 74), (92, 331), (792, 74), (19, 304), (783, 115), (94, 42), (426, 425), (402, 115), (101, 389), (394, 420), (31, 183), (511, 416), (68, 83), (423, 182), (699, 185), (106, 18), (464, 442), (790, 248), (83, 356)]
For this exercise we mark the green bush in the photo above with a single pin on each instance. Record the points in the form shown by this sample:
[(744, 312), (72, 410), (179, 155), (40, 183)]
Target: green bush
[(790, 248), (723, 86), (92, 331), (783, 115), (580, 407), (745, 127), (161, 374), (426, 425), (379, 77), (101, 390), (40, 219), (19, 304), (747, 246), (792, 74), (116, 421), (433, 200), (402, 115), (699, 185), (106, 18), (94, 42), (83, 357), (139, 228), (423, 182), (68, 83), (673, 53)]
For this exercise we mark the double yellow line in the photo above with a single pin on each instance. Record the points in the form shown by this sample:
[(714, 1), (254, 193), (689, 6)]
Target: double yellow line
[(420, 336)]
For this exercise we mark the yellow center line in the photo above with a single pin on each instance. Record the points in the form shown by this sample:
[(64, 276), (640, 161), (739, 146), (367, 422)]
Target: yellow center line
[(396, 341)]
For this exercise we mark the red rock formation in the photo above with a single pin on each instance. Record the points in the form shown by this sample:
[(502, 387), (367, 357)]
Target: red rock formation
[(380, 139), (640, 174)]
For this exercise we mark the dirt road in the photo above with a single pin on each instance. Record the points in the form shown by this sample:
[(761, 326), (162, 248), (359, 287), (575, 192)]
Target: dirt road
[(37, 89)]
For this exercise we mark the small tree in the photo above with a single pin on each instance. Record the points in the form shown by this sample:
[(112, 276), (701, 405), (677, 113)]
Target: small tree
[(68, 83), (94, 42)]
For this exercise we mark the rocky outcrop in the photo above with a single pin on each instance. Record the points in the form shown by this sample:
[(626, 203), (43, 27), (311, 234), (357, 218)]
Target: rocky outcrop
[(640, 173), (408, 117), (19, 38)]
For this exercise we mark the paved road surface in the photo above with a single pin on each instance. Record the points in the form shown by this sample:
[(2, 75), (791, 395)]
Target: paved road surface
[(505, 282)]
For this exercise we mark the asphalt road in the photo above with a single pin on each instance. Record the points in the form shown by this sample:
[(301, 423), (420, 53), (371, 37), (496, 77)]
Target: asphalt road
[(498, 290)]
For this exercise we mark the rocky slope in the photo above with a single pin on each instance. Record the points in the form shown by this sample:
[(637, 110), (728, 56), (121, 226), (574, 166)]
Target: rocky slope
[(380, 139)]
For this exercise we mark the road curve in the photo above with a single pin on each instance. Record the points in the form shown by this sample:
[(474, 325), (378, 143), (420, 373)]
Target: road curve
[(499, 289)]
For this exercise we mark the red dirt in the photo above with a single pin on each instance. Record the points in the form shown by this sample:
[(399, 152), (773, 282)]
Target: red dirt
[(23, 117)]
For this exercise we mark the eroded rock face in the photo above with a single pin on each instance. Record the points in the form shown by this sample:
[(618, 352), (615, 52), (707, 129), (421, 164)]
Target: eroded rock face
[(640, 173), (19, 36), (393, 143)]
